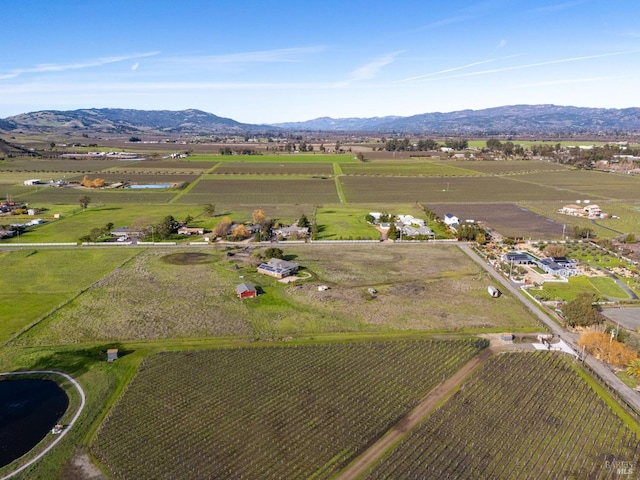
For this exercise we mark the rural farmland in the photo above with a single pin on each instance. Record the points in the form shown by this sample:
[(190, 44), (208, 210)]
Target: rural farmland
[(150, 300), (289, 412), (440, 289), (522, 415)]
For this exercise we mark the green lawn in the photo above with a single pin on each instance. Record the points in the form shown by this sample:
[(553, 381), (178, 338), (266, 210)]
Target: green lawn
[(601, 286), (344, 222), (607, 287), (564, 291), (33, 282)]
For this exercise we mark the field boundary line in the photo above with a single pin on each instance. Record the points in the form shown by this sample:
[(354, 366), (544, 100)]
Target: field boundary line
[(64, 431), (191, 185), (417, 415), (339, 189)]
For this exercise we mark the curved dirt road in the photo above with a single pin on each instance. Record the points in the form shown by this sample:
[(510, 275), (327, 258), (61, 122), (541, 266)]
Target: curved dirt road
[(64, 431)]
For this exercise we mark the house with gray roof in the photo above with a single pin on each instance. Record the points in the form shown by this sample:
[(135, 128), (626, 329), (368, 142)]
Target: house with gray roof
[(560, 266), (278, 268)]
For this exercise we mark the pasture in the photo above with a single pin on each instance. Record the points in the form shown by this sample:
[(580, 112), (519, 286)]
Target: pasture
[(424, 287), (523, 415), (348, 221), (36, 282), (282, 412)]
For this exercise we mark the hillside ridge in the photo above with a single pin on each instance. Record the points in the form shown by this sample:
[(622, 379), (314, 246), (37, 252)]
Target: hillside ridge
[(505, 120)]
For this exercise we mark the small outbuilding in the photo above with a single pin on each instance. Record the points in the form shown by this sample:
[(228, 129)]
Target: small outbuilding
[(493, 291), (112, 354), (246, 290), (507, 337)]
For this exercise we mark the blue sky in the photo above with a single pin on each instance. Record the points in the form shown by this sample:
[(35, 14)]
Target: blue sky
[(266, 62)]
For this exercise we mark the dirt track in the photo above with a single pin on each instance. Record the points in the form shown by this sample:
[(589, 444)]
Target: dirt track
[(404, 426)]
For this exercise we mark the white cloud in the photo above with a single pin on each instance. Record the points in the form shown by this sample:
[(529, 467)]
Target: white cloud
[(282, 55), (558, 7), (135, 66), (453, 69), (371, 69), (53, 67), (529, 65), (445, 22)]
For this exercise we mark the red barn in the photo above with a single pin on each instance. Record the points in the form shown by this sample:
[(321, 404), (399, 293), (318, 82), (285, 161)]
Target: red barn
[(246, 290)]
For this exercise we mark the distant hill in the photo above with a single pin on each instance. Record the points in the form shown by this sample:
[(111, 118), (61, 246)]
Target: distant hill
[(124, 121), (509, 120)]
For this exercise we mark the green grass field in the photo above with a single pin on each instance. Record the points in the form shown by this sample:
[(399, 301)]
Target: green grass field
[(607, 287), (36, 281), (169, 296), (603, 287), (344, 222)]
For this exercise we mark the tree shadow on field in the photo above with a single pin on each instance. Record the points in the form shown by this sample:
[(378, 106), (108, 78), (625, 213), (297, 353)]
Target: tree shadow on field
[(77, 361), (103, 209)]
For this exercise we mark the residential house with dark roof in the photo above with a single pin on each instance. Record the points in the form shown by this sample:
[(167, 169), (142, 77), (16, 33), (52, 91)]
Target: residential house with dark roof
[(278, 268), (560, 266)]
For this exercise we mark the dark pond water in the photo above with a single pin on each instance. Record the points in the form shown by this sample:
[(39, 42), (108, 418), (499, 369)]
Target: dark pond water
[(28, 411)]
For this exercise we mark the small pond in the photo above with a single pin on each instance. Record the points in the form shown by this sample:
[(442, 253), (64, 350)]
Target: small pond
[(28, 411), (151, 185)]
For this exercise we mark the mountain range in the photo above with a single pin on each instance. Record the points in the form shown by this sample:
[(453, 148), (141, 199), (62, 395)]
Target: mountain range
[(507, 120)]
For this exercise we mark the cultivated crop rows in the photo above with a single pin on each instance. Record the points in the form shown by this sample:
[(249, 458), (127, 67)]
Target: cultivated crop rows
[(280, 412), (262, 168), (451, 189), (524, 415), (240, 191)]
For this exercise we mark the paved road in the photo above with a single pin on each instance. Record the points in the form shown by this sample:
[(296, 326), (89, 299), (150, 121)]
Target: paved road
[(64, 431), (607, 228), (629, 395)]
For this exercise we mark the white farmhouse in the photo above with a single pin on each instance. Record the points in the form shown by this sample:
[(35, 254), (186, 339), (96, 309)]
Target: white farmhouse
[(450, 219)]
